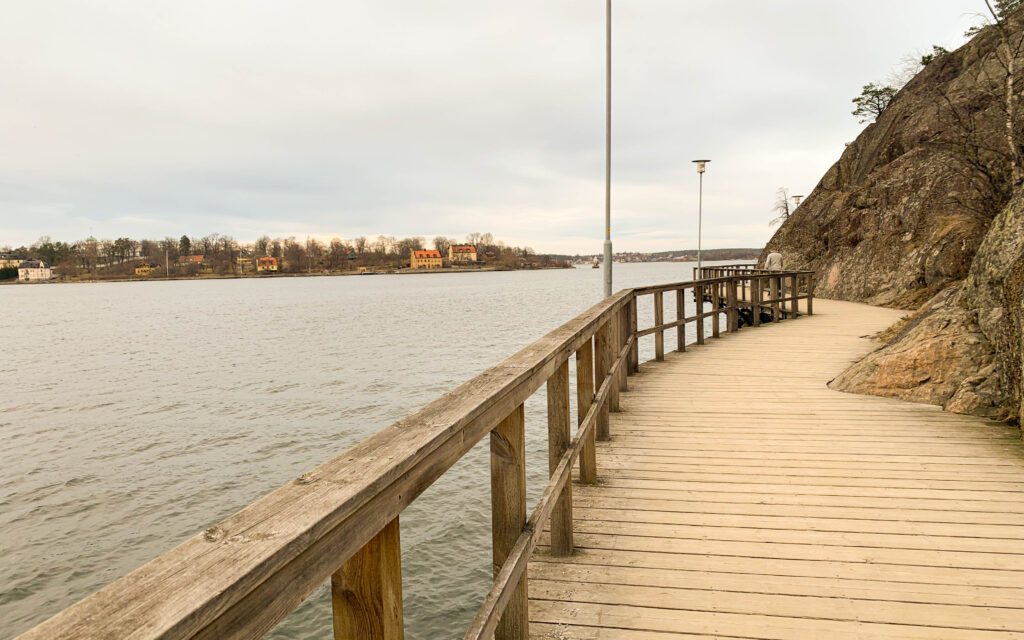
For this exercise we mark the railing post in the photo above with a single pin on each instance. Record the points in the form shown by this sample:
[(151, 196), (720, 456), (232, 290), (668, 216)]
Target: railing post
[(755, 299), (601, 365), (623, 338), (810, 293), (613, 350), (773, 293), (733, 311), (558, 442), (366, 593), (716, 306), (698, 297), (794, 293), (681, 315), (659, 335), (634, 355), (508, 513), (585, 398)]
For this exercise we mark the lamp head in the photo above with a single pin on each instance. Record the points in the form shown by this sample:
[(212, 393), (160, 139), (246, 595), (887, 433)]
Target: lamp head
[(700, 165), (797, 200)]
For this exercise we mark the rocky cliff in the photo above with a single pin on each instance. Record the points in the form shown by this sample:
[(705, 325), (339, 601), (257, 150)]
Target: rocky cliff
[(923, 208)]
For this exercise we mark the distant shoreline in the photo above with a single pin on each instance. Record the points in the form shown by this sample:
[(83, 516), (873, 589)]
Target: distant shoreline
[(269, 276)]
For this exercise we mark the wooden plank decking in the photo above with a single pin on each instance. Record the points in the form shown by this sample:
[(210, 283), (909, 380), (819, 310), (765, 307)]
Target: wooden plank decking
[(740, 497)]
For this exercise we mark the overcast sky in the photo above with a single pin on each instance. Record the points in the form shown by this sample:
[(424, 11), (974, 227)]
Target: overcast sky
[(362, 117)]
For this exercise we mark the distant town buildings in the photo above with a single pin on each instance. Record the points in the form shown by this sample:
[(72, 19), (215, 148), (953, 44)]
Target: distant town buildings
[(266, 264), (34, 270), (144, 269), (461, 253), (429, 259), (194, 259)]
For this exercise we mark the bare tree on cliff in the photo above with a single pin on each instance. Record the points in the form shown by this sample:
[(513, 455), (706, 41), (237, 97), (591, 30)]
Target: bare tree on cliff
[(1010, 48), (781, 207), (984, 139)]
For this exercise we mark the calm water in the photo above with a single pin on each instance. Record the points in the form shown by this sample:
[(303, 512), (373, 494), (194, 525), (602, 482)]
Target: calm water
[(137, 414)]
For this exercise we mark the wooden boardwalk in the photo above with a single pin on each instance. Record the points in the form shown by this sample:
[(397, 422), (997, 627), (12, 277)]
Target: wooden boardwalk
[(740, 497)]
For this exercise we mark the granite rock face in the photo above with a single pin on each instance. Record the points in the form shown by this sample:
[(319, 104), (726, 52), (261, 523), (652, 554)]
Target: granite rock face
[(940, 357), (962, 349), (922, 208), (901, 215)]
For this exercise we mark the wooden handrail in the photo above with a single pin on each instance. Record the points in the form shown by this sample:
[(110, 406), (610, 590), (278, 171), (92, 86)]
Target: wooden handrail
[(722, 286), (340, 521)]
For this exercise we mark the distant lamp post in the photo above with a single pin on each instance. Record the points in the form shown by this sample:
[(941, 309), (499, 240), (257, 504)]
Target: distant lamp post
[(796, 201), (700, 211)]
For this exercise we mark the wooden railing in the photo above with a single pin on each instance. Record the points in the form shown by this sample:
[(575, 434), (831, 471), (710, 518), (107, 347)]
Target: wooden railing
[(341, 521)]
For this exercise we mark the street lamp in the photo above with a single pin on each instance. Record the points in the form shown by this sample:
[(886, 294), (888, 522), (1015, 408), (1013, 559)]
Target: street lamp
[(700, 211), (796, 201), (608, 153)]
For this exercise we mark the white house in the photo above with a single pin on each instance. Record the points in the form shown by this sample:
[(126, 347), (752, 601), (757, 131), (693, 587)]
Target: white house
[(462, 253), (34, 270)]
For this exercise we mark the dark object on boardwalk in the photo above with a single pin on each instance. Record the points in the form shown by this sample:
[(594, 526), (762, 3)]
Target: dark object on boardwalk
[(746, 316)]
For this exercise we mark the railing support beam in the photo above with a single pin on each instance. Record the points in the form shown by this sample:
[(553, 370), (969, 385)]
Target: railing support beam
[(613, 350), (716, 307), (733, 310), (602, 364), (558, 442), (659, 319), (810, 294), (755, 300), (634, 356), (508, 513), (366, 593), (698, 296), (585, 398), (773, 293), (623, 337), (794, 294), (680, 315)]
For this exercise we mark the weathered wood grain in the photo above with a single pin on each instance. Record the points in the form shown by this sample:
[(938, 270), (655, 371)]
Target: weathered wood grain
[(508, 514), (584, 400), (659, 321), (366, 593), (558, 443)]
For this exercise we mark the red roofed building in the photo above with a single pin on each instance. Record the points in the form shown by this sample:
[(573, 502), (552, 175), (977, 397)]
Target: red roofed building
[(425, 259), (462, 253)]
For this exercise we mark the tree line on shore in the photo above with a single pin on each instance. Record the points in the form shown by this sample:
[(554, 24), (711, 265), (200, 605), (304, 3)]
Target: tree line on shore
[(223, 254)]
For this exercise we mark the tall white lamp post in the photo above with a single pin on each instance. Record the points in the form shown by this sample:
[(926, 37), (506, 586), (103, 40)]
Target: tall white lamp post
[(700, 212), (608, 153)]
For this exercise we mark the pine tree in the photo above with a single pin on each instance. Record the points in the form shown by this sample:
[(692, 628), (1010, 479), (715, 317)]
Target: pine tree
[(872, 101)]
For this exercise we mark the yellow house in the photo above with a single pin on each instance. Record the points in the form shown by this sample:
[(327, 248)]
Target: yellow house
[(10, 261), (144, 269), (425, 259)]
